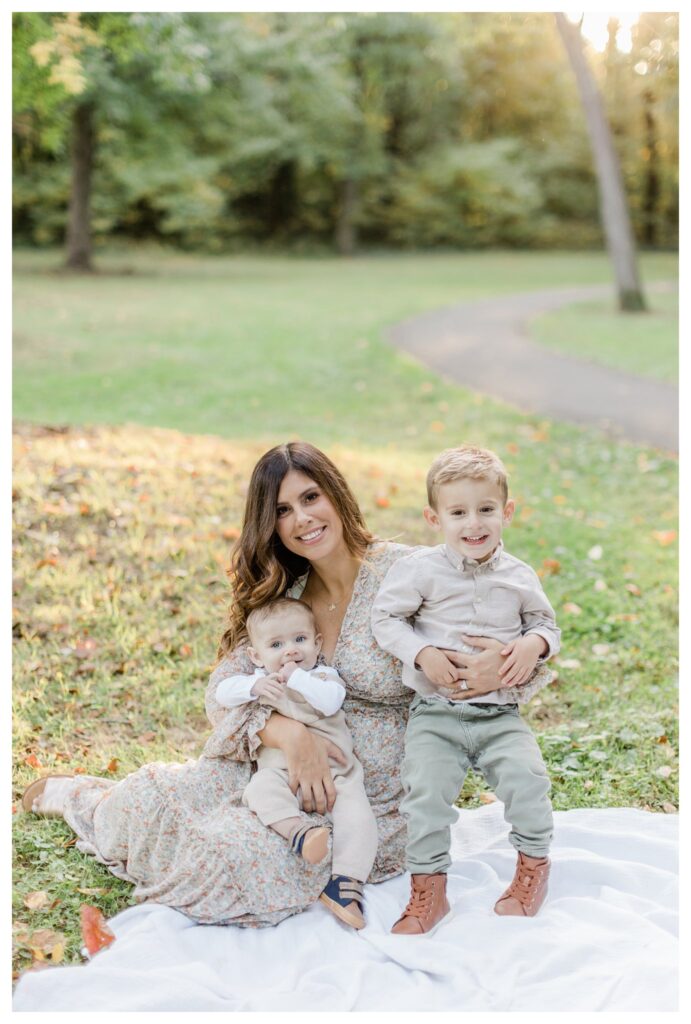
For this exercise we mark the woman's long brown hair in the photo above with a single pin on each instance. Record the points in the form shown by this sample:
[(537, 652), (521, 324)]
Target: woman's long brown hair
[(261, 567)]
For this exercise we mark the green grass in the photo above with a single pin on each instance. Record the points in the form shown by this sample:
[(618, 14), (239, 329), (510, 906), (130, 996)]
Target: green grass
[(122, 532), (243, 346), (646, 344)]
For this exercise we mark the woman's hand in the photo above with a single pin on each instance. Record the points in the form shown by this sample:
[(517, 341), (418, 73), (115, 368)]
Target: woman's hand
[(308, 770), (480, 672), (308, 761)]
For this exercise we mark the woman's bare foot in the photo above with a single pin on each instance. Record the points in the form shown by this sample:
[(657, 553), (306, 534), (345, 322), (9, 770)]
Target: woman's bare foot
[(47, 796)]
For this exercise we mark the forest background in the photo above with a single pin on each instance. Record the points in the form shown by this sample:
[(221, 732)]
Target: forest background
[(221, 131)]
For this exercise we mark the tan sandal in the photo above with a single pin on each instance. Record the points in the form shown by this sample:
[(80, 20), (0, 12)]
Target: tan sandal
[(35, 789)]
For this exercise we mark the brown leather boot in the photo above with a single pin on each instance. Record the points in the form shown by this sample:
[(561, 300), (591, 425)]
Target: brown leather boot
[(527, 892), (427, 907)]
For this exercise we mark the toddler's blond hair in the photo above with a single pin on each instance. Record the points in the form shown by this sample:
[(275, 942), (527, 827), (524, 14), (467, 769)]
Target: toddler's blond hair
[(467, 462)]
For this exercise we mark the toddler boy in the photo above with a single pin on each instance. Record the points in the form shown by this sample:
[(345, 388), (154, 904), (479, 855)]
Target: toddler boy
[(432, 601), (285, 647)]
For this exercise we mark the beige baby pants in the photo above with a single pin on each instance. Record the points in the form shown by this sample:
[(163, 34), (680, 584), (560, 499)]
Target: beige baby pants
[(354, 825)]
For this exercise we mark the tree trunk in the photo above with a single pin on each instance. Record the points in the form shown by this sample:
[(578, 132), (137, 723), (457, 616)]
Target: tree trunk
[(281, 200), (78, 255), (613, 207), (346, 230), (651, 193)]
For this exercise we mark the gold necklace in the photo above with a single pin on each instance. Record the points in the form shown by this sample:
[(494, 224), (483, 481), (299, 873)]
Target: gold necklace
[(331, 606)]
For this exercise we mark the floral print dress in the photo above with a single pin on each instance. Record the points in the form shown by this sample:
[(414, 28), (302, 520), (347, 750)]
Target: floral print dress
[(180, 832)]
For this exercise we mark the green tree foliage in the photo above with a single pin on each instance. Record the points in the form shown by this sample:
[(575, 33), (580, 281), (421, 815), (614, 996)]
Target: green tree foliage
[(404, 129)]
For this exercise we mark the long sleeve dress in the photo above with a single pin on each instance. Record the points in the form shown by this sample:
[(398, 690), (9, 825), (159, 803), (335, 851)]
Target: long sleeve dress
[(180, 832)]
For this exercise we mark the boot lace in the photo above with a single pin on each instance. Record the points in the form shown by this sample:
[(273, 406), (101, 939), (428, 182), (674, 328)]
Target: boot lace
[(524, 882), (419, 903)]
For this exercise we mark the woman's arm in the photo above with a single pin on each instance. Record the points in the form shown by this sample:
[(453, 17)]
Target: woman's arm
[(308, 760), (236, 730)]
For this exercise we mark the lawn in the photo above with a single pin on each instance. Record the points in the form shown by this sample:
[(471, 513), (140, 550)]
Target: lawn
[(646, 344), (122, 529), (243, 347)]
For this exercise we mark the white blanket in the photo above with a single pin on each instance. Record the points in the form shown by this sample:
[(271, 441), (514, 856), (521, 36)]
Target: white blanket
[(604, 940)]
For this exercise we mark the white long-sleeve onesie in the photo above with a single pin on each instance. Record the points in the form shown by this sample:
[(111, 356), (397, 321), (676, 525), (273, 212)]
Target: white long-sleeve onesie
[(321, 687)]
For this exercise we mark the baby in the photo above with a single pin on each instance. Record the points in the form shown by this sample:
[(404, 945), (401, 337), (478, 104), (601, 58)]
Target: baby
[(285, 647), (429, 605)]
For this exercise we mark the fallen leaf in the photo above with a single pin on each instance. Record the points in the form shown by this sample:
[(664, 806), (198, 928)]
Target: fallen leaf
[(36, 900), (570, 663), (571, 608), (599, 650), (600, 586), (665, 537), (95, 932), (113, 765), (552, 566), (146, 737), (588, 784), (487, 798), (381, 501), (513, 448), (46, 561), (669, 808), (560, 499), (185, 651), (85, 647), (46, 944), (33, 761), (437, 426), (92, 891), (21, 932), (633, 589), (232, 533), (595, 553), (664, 771)]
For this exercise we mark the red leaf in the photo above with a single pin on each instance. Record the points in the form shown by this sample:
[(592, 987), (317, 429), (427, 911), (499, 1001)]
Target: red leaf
[(112, 765), (185, 651), (33, 761), (95, 932)]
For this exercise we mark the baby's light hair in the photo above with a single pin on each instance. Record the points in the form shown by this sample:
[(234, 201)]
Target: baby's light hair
[(467, 462), (279, 604)]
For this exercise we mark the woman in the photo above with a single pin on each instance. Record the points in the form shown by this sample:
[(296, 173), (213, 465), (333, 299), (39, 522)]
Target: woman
[(180, 831)]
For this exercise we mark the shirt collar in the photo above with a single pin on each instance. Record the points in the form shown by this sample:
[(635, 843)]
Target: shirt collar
[(465, 564)]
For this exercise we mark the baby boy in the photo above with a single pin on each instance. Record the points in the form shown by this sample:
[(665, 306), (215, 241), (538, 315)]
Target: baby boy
[(430, 602), (285, 647)]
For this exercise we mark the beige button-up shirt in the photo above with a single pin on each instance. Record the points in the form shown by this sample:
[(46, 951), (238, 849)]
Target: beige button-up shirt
[(433, 597)]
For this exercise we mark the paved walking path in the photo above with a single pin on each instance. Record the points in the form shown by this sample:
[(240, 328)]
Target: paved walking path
[(486, 346)]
